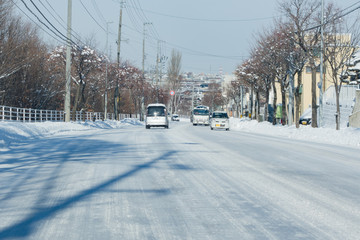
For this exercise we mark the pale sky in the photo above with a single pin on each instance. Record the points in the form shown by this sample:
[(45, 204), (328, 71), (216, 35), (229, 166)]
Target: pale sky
[(211, 35)]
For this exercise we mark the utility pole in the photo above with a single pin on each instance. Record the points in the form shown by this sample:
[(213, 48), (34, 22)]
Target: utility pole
[(321, 66), (119, 33), (68, 64), (117, 93), (106, 72), (292, 70), (192, 95), (143, 73), (157, 70), (291, 96), (157, 62), (242, 100)]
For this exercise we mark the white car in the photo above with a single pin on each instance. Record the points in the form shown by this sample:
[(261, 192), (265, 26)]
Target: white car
[(220, 120), (175, 117)]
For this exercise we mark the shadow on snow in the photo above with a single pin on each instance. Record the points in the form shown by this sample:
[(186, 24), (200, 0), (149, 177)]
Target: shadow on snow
[(42, 156)]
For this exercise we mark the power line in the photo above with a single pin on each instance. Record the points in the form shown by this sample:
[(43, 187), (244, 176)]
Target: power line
[(137, 11), (98, 11), (73, 33), (62, 36), (92, 17), (62, 40), (333, 18), (205, 19), (152, 28)]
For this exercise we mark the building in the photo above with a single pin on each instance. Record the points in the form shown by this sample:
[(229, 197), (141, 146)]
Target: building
[(327, 86)]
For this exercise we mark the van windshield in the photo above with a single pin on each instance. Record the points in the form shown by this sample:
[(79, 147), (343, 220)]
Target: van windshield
[(155, 111), (201, 112)]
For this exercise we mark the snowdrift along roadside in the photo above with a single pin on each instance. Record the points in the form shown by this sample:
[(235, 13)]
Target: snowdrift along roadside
[(345, 137), (17, 131)]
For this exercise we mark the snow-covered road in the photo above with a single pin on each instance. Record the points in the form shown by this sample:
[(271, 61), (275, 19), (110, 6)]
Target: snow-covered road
[(182, 183)]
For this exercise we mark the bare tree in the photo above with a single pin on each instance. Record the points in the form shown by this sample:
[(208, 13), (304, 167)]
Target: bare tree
[(247, 74), (339, 47), (234, 93), (24, 75), (12, 35), (213, 97), (303, 15)]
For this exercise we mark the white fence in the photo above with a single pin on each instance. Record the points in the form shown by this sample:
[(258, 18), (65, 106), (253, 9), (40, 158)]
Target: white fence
[(36, 115)]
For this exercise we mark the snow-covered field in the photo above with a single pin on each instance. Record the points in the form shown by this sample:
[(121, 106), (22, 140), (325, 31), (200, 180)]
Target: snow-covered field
[(118, 180)]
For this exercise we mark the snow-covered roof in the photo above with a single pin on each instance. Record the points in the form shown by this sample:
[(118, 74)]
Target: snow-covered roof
[(355, 59), (356, 67)]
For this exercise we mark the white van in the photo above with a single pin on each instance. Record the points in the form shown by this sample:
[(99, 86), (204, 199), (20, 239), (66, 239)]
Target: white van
[(156, 116)]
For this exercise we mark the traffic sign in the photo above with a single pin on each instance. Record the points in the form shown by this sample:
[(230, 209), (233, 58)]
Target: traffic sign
[(172, 92)]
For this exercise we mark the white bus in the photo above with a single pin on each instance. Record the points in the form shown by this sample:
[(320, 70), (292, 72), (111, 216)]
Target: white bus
[(200, 115)]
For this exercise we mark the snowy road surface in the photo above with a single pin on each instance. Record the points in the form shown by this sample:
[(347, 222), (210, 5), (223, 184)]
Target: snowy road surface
[(182, 183)]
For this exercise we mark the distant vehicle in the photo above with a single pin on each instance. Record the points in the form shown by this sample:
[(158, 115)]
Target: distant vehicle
[(156, 116), (175, 117), (200, 115), (305, 119), (220, 120)]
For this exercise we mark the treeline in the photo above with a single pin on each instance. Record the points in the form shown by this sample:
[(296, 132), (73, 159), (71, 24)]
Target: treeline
[(32, 74), (281, 52)]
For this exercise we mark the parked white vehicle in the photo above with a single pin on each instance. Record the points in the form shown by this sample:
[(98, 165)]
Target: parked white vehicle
[(156, 116), (175, 117), (220, 120), (200, 115)]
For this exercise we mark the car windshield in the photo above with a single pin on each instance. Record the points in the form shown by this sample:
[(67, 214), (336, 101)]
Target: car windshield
[(155, 111), (201, 112), (219, 115)]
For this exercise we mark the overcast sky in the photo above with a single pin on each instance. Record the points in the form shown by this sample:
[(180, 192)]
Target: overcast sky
[(211, 35)]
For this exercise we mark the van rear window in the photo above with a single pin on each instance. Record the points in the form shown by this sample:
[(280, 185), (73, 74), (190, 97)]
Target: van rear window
[(219, 115), (155, 111)]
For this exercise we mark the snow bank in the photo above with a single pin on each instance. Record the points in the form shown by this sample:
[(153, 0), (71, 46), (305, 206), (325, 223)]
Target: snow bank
[(346, 136), (17, 131)]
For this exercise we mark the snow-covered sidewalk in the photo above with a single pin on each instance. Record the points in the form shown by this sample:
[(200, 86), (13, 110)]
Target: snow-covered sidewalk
[(346, 136), (17, 131)]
